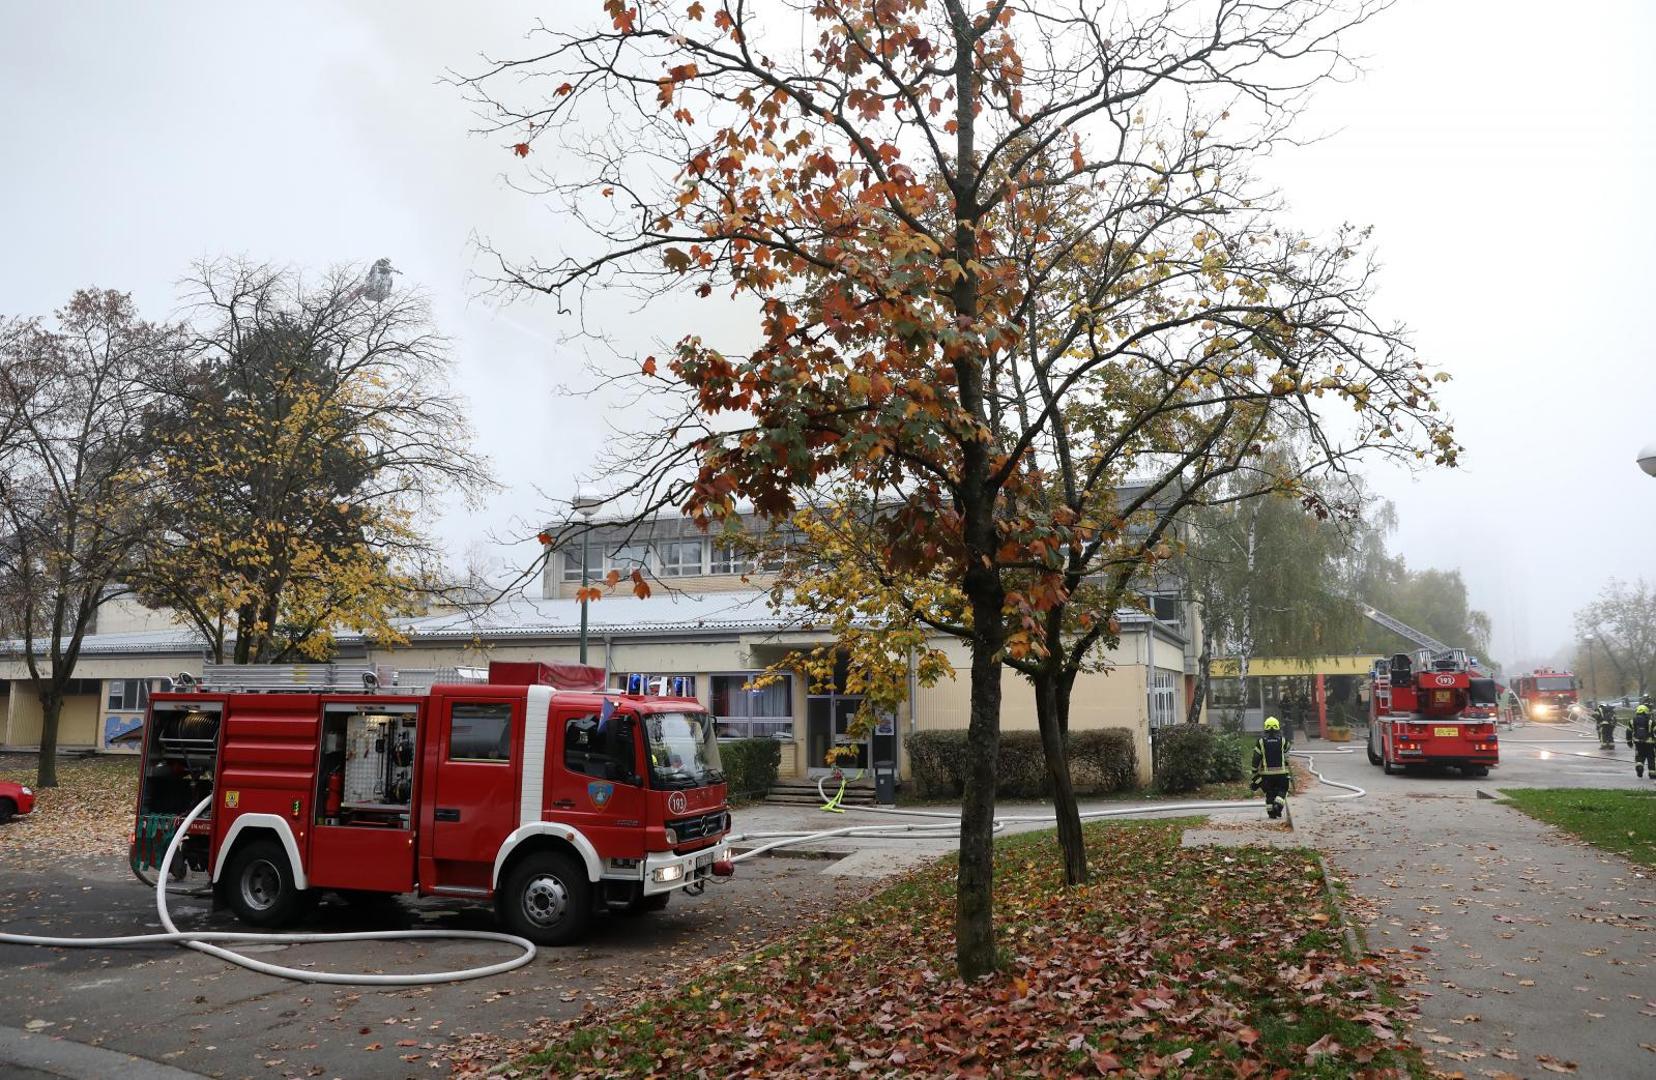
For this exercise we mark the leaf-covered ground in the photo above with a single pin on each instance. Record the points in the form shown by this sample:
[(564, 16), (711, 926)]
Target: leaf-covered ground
[(1172, 962), (88, 813), (1620, 821)]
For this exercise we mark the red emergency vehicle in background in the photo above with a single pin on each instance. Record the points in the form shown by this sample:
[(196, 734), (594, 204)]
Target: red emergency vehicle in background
[(1433, 709), (1546, 695), (534, 787)]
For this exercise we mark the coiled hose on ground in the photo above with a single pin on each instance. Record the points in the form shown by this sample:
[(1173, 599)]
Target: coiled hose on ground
[(210, 941)]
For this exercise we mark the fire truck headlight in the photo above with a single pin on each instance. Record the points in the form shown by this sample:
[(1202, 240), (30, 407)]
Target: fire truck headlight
[(672, 836), (669, 873)]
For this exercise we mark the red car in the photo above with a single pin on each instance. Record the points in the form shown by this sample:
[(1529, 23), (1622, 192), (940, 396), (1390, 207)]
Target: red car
[(14, 799)]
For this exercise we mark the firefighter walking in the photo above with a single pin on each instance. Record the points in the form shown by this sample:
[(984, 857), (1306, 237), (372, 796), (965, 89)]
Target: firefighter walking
[(1271, 773), (1641, 736)]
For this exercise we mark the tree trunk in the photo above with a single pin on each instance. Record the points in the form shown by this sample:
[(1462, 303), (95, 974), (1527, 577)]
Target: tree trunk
[(1065, 687), (51, 711), (1074, 845), (975, 953), (1200, 696)]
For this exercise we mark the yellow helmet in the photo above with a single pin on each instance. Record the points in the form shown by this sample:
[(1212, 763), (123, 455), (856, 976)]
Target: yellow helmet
[(1642, 709), (1273, 724)]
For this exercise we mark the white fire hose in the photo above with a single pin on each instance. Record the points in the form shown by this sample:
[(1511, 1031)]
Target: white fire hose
[(201, 940)]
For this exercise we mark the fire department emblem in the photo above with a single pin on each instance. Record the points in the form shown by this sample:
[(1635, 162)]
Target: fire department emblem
[(600, 792), (676, 803)]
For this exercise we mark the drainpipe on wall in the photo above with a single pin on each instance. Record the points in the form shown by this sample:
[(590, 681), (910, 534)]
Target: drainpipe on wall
[(913, 691), (607, 643)]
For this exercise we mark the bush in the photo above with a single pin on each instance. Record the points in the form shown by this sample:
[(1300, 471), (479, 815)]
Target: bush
[(1100, 761), (1185, 757), (1232, 757), (750, 766)]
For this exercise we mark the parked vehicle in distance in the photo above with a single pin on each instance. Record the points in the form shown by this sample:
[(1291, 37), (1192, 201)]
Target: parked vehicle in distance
[(1547, 695), (15, 799)]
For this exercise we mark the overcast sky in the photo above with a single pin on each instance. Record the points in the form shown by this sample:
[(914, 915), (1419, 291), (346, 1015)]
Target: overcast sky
[(1504, 153)]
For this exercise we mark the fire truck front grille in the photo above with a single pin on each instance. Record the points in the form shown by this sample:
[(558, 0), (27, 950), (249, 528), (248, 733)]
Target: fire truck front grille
[(695, 828)]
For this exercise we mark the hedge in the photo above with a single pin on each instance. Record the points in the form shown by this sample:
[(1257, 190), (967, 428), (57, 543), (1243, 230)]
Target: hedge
[(750, 766), (1186, 756), (1232, 757), (1190, 755), (1100, 762)]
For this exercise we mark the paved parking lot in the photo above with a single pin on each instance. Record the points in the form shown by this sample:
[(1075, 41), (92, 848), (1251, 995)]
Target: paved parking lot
[(179, 1008)]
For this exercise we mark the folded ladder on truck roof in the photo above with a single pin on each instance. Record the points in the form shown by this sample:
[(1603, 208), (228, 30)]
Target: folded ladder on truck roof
[(324, 679)]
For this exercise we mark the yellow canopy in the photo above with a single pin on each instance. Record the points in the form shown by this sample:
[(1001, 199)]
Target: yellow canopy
[(1227, 667)]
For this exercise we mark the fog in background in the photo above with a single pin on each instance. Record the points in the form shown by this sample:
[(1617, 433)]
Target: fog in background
[(1501, 151)]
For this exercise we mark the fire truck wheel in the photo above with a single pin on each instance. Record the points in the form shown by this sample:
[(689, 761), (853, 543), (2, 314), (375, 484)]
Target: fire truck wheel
[(546, 899), (1373, 754), (1476, 770), (258, 885)]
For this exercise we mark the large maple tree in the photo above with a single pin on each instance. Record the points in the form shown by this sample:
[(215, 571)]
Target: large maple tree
[(975, 237)]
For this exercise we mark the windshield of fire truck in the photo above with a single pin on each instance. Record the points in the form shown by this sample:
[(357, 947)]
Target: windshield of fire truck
[(684, 750), (1555, 682)]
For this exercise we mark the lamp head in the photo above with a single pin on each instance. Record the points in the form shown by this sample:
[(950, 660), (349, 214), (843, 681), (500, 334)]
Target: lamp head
[(1647, 459)]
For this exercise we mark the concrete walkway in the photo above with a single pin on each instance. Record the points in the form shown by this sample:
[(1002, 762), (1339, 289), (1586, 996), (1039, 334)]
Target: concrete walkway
[(769, 818), (28, 1055), (1533, 954)]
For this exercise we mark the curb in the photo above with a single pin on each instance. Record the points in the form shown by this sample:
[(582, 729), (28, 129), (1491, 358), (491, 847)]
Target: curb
[(1352, 944)]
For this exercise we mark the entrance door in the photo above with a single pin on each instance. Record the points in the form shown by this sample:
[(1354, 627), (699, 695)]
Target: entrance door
[(828, 724), (474, 801)]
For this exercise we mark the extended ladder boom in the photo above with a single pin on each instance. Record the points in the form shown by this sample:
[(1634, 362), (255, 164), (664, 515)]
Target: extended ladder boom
[(1401, 628)]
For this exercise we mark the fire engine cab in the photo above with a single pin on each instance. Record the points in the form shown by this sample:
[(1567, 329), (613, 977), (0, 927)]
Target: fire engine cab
[(1432, 709), (529, 784), (1546, 695)]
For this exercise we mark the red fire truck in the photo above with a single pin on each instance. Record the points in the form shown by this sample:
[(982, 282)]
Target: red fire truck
[(1546, 695), (1432, 710), (531, 785)]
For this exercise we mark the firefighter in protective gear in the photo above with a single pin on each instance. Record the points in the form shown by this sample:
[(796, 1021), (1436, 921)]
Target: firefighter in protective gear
[(1271, 773), (1606, 719), (1641, 736)]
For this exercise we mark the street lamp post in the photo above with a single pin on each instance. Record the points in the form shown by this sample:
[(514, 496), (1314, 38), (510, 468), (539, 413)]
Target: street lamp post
[(586, 506), (1647, 459)]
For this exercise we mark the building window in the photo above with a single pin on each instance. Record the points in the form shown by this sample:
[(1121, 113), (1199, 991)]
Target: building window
[(779, 549), (752, 713), (572, 562), (597, 747), (650, 684), (129, 695), (1164, 698), (481, 732), (680, 558), (629, 557), (731, 559)]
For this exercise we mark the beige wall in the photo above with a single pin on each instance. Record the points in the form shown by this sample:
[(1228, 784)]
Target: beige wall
[(1101, 699), (77, 726), (125, 615)]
